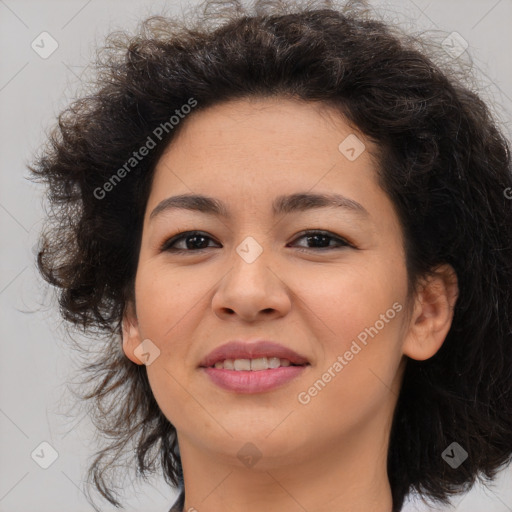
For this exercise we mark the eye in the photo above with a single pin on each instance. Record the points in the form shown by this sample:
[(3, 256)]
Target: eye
[(198, 241), (322, 238)]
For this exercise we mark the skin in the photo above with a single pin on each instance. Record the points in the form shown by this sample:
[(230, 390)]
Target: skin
[(328, 454)]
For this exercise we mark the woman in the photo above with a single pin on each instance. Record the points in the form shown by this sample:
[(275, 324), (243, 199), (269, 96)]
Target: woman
[(295, 231)]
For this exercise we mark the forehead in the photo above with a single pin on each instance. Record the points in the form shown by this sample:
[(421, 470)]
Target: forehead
[(283, 124), (278, 142)]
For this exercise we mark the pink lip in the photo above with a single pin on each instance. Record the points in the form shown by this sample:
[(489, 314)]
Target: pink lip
[(251, 350), (242, 381)]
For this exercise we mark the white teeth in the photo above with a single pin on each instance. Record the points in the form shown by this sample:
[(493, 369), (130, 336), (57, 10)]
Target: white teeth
[(274, 362), (260, 363), (228, 364), (242, 364)]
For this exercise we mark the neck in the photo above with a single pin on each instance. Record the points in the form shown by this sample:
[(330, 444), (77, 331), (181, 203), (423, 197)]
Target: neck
[(348, 476)]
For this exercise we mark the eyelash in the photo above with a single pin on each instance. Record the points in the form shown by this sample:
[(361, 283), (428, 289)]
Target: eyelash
[(167, 245)]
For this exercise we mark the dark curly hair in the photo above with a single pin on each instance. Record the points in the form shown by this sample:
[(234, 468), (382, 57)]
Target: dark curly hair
[(444, 163)]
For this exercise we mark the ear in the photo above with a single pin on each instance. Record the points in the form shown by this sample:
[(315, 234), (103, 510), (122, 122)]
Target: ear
[(131, 334), (432, 314)]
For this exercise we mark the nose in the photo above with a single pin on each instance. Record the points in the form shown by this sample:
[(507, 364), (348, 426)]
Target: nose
[(252, 290)]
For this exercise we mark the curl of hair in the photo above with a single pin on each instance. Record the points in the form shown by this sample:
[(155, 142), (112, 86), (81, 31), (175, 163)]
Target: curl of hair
[(444, 163)]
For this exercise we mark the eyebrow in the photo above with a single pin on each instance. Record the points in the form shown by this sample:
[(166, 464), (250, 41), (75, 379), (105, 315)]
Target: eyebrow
[(284, 204)]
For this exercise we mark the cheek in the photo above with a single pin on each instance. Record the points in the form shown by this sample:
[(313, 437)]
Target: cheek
[(165, 297), (167, 310), (350, 299), (169, 306), (361, 311), (360, 359)]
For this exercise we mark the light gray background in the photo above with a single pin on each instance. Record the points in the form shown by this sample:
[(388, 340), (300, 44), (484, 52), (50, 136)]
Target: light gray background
[(36, 362)]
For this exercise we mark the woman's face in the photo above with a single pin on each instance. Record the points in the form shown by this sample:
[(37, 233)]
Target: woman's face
[(255, 275)]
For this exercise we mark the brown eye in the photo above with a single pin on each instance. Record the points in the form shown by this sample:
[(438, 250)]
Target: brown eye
[(194, 241), (322, 240)]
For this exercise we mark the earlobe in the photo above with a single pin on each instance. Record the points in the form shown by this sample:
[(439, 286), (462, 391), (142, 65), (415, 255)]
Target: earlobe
[(432, 313), (131, 334)]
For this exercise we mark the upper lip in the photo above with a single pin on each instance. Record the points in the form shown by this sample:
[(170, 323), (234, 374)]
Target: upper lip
[(237, 349)]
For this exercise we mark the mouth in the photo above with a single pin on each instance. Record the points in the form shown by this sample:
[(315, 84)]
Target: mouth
[(257, 355), (254, 367)]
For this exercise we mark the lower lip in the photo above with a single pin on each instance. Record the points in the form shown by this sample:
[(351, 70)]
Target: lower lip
[(242, 381)]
